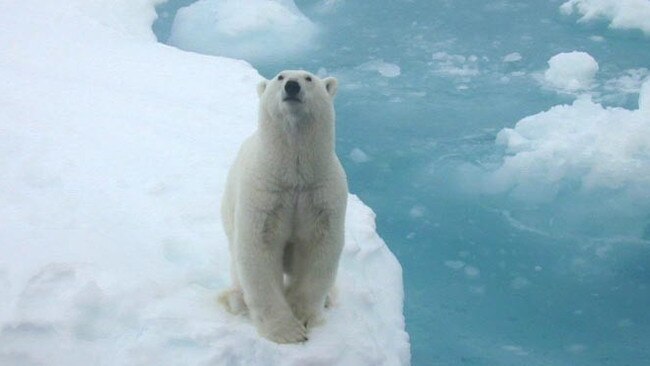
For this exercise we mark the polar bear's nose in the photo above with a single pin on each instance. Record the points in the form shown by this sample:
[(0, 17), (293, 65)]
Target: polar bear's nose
[(292, 88)]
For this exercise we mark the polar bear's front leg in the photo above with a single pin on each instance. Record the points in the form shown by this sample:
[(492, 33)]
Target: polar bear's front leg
[(314, 266), (259, 262)]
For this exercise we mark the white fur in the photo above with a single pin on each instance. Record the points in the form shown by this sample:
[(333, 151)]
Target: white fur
[(284, 208)]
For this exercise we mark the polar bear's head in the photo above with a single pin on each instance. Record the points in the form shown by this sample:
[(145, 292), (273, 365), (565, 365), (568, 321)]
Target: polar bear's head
[(297, 95)]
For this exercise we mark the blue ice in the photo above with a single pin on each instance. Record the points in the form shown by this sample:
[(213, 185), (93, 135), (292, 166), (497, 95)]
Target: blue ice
[(553, 269)]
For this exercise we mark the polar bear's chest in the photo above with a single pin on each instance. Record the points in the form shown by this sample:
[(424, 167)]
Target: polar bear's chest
[(301, 203), (306, 212)]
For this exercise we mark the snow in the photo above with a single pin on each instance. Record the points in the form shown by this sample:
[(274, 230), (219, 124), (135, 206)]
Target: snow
[(113, 153), (252, 30), (585, 143), (571, 71), (622, 14)]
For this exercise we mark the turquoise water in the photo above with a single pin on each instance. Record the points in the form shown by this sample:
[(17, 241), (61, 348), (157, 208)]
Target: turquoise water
[(489, 279)]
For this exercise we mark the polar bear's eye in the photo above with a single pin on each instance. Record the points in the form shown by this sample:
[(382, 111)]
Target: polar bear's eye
[(308, 78), (281, 77)]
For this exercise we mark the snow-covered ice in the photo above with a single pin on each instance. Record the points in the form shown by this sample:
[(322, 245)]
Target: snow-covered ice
[(113, 155), (584, 143), (622, 14), (250, 30), (571, 71)]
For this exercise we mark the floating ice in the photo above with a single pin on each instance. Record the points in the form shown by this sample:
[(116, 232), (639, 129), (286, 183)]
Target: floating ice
[(571, 71), (251, 30), (455, 265), (417, 211), (512, 57), (359, 156), (622, 14), (519, 283), (585, 143), (329, 6), (576, 348), (628, 82), (472, 272), (385, 69), (458, 66), (517, 350)]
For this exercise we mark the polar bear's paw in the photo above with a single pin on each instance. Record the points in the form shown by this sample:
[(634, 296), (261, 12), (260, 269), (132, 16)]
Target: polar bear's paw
[(284, 331), (307, 316), (233, 301)]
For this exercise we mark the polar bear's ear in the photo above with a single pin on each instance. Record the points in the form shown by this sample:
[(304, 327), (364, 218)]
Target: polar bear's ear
[(331, 85), (261, 87)]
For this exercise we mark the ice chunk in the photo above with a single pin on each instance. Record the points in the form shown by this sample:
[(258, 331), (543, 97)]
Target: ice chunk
[(458, 66), (385, 69), (251, 30), (519, 283), (585, 143), (628, 82), (622, 14), (455, 265), (512, 57), (472, 272), (517, 350), (576, 348), (359, 156), (571, 71), (417, 211)]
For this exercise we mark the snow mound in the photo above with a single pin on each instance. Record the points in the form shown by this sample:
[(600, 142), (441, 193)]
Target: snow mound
[(571, 71), (250, 30), (583, 143), (113, 163), (622, 14)]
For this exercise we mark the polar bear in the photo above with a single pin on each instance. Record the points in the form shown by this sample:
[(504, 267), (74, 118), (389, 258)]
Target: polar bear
[(283, 209)]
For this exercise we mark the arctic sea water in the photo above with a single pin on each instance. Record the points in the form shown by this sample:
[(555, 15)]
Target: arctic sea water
[(491, 278)]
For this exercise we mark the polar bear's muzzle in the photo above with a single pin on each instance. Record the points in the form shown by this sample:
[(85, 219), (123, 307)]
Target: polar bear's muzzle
[(291, 91)]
